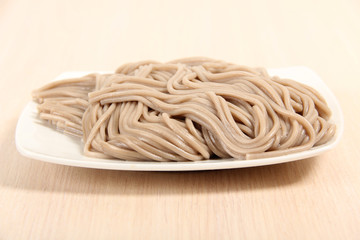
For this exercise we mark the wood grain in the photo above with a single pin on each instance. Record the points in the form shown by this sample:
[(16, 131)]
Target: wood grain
[(317, 198)]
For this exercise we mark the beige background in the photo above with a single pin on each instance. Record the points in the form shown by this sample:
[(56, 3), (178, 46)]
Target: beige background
[(317, 198)]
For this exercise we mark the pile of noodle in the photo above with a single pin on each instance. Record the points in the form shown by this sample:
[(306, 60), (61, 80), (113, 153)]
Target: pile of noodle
[(187, 110)]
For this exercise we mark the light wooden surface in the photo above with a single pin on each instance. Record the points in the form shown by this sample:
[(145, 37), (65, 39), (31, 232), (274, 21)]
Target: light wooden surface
[(317, 198)]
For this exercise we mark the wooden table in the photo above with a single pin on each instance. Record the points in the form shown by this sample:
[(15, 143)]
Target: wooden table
[(317, 198)]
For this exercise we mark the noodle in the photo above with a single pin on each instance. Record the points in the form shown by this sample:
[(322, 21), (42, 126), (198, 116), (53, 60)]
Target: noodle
[(187, 110)]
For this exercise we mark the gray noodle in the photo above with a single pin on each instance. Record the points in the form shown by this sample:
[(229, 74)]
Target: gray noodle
[(187, 110)]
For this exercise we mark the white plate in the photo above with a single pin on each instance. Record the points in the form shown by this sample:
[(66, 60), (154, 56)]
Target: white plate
[(38, 141)]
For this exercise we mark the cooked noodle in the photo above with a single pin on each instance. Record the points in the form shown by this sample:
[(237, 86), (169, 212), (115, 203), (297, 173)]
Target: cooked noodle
[(187, 110)]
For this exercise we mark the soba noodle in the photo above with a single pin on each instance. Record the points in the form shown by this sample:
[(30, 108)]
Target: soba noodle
[(187, 110)]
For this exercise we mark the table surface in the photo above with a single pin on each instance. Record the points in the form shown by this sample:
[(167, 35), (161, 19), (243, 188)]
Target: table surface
[(317, 198)]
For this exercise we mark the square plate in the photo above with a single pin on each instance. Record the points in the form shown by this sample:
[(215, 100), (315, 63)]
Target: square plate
[(36, 140)]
